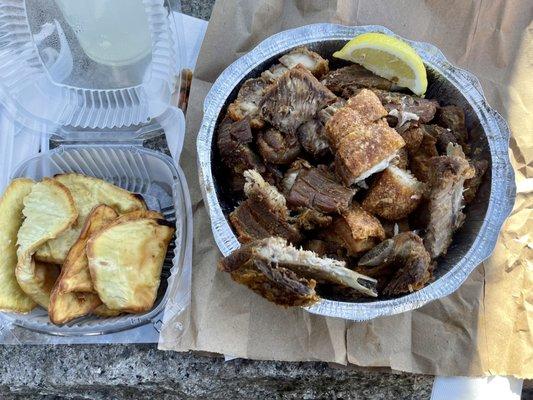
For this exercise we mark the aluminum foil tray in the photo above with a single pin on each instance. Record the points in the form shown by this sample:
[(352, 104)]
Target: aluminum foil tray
[(151, 174), (472, 244)]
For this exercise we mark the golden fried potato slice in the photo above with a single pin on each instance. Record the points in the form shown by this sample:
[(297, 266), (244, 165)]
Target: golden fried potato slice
[(125, 260), (12, 297), (103, 311), (75, 276), (88, 192), (65, 307), (49, 210)]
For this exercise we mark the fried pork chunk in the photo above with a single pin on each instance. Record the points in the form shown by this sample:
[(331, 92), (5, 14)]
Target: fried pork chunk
[(304, 264), (277, 147), (312, 137), (247, 102), (355, 230), (472, 185), (346, 81), (302, 57), (364, 142), (368, 149), (394, 195), (268, 279), (293, 99), (453, 118), (264, 213), (310, 60), (407, 107), (421, 147), (446, 180), (401, 264), (315, 188), (233, 139), (308, 219)]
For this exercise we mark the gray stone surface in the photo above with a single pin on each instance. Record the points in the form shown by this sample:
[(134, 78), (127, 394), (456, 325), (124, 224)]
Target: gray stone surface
[(125, 371), (198, 8), (141, 372)]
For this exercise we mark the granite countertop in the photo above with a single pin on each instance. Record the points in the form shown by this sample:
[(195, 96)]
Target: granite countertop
[(141, 371)]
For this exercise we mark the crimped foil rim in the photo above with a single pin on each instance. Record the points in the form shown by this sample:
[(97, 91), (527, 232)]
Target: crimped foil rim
[(502, 191)]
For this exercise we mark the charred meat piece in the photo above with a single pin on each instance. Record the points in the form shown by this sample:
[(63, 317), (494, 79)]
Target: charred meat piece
[(309, 265), (346, 81), (277, 147), (401, 264), (317, 189), (247, 102), (268, 279), (453, 118), (264, 213), (310, 60), (423, 109), (394, 195), (312, 136), (413, 138), (354, 230), (472, 185), (308, 219), (445, 216), (443, 136), (233, 140), (293, 99), (419, 157)]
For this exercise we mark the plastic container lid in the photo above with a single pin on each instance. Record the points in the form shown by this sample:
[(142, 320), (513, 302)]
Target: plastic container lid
[(87, 65)]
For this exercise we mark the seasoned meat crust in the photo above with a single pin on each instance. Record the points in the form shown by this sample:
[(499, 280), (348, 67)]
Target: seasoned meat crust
[(394, 195)]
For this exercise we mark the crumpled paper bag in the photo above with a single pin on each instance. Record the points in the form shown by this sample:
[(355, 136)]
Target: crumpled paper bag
[(484, 328)]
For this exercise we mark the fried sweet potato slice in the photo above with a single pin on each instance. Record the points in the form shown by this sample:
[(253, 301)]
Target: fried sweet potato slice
[(12, 297), (49, 210), (87, 192), (75, 276), (125, 262)]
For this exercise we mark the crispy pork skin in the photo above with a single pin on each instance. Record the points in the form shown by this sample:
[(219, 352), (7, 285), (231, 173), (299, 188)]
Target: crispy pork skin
[(355, 230), (394, 195)]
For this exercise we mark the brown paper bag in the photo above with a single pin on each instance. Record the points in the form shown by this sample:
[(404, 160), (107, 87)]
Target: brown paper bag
[(486, 326)]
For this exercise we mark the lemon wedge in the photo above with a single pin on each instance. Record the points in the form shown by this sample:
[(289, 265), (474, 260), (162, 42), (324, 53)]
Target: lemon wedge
[(388, 57)]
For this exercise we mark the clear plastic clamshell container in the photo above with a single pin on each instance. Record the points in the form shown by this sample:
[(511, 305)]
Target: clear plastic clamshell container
[(95, 64), (148, 173), (99, 77)]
